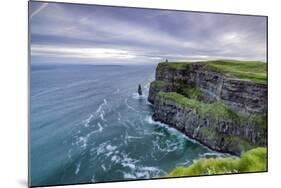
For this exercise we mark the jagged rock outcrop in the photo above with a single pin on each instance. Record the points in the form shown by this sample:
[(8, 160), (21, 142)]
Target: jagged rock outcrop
[(221, 111)]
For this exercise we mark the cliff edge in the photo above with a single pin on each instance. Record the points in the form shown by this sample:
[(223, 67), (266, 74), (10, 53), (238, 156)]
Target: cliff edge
[(222, 104)]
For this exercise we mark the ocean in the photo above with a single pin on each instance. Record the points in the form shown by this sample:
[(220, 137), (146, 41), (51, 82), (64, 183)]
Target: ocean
[(88, 124)]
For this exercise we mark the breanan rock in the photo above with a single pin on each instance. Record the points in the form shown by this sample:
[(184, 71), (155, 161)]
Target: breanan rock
[(139, 90), (204, 86)]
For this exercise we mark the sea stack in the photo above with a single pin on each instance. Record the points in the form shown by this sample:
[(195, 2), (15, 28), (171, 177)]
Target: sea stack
[(139, 90)]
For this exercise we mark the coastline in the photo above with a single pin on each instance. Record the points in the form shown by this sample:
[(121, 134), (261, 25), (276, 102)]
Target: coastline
[(189, 97)]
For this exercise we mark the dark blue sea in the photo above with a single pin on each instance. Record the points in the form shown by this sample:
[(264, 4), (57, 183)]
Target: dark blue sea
[(88, 124)]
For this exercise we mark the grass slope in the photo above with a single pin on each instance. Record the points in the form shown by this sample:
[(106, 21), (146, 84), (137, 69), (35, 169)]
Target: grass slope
[(253, 70), (215, 110), (254, 160), (246, 70)]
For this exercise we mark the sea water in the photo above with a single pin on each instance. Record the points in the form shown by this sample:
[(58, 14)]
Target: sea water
[(88, 124)]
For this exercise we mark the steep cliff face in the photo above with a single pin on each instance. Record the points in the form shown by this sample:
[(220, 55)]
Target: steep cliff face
[(221, 110), (243, 96)]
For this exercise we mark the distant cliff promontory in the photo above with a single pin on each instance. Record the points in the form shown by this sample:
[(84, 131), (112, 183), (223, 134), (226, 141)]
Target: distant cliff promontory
[(222, 104)]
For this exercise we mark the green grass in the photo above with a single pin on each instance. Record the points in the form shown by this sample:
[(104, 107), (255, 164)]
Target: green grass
[(192, 93), (237, 143), (251, 70), (174, 65), (254, 160), (259, 120), (214, 110), (255, 71), (159, 84)]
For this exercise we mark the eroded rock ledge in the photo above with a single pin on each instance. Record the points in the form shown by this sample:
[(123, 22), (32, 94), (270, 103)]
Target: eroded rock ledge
[(221, 104)]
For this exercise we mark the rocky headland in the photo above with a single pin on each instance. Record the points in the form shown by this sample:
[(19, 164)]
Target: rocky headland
[(221, 104)]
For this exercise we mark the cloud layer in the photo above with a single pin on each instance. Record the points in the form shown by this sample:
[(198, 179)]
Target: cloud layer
[(68, 33)]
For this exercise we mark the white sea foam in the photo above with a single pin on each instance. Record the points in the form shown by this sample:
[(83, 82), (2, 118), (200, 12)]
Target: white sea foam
[(103, 167), (78, 168), (101, 106), (129, 176), (82, 141), (146, 86), (88, 120), (156, 145), (108, 154), (131, 123), (110, 147), (149, 120), (128, 137), (130, 107), (115, 159), (102, 116), (128, 162), (93, 180), (172, 130), (119, 116), (130, 165), (137, 96), (99, 130), (158, 134), (149, 103), (148, 172), (125, 125), (150, 168), (209, 154), (217, 154), (142, 174), (101, 148), (69, 154), (100, 127), (185, 163), (134, 137), (166, 149)]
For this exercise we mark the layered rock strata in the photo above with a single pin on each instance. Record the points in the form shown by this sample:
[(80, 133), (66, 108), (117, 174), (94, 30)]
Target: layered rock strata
[(223, 112)]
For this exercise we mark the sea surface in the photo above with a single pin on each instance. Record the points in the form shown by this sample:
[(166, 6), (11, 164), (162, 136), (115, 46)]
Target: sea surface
[(88, 124)]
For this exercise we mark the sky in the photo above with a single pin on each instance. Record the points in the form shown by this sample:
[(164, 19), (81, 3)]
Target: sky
[(89, 34)]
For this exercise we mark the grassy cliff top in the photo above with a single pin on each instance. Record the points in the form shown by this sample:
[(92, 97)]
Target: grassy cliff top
[(246, 70), (215, 110), (254, 160)]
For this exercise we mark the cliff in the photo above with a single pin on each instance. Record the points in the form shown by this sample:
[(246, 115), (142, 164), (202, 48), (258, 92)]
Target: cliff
[(222, 104)]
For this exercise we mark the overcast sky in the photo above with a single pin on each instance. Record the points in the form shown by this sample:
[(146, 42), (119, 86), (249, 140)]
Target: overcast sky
[(68, 33)]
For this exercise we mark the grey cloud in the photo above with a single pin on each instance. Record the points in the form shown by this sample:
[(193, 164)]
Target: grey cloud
[(148, 34)]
